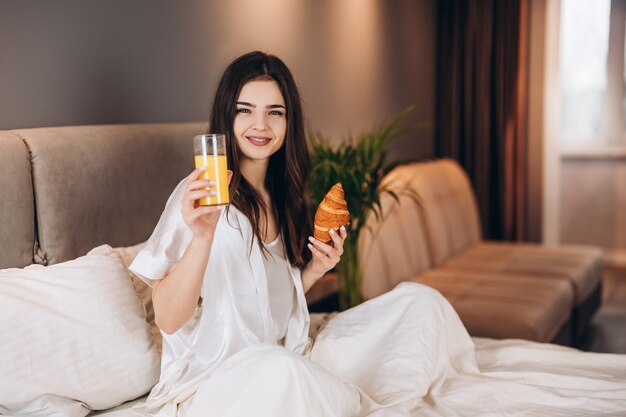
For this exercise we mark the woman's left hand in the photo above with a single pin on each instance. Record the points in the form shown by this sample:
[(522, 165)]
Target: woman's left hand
[(325, 256)]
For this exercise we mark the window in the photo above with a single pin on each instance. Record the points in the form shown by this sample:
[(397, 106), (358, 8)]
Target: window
[(593, 72)]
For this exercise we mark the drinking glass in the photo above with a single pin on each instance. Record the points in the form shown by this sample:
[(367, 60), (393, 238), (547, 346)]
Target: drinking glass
[(210, 152)]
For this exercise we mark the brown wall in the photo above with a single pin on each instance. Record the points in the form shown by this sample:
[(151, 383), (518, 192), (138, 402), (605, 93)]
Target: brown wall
[(69, 62)]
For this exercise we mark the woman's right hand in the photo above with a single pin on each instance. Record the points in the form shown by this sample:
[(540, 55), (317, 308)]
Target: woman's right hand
[(202, 220)]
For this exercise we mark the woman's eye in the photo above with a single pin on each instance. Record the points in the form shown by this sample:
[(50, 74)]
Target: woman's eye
[(276, 113), (243, 110)]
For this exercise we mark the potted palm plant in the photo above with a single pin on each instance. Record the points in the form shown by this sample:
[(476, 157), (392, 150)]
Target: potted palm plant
[(359, 164)]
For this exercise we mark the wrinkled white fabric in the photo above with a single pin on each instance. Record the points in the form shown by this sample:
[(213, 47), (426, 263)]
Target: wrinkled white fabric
[(264, 381), (235, 311), (376, 359), (397, 347), (404, 353)]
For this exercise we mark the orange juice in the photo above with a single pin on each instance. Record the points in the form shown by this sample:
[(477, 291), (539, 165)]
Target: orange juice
[(214, 172)]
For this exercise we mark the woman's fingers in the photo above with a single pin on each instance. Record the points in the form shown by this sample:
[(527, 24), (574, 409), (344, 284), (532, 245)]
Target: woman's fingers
[(202, 220), (338, 239), (202, 211), (190, 198), (324, 262), (337, 242), (200, 184), (327, 250), (321, 246), (197, 189), (195, 174), (317, 253), (198, 194)]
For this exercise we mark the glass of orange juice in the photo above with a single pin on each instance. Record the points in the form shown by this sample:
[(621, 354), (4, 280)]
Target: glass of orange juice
[(210, 152)]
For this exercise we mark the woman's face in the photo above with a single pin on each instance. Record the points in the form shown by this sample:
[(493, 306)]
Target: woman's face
[(260, 120)]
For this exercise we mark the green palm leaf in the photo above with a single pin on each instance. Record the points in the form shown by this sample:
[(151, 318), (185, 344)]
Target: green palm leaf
[(360, 163)]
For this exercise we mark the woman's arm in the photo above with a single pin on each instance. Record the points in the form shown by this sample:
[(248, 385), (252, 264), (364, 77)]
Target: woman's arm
[(175, 297), (309, 278)]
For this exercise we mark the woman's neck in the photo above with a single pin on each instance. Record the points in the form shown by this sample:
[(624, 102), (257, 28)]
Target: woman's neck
[(254, 171)]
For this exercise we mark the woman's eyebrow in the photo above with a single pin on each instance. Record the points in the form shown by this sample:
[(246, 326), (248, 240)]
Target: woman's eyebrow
[(269, 106)]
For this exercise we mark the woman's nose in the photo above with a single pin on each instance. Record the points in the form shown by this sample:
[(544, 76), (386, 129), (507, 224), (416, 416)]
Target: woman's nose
[(260, 122)]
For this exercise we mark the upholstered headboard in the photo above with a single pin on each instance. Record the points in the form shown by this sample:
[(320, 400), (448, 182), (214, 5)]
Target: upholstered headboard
[(17, 207), (66, 190)]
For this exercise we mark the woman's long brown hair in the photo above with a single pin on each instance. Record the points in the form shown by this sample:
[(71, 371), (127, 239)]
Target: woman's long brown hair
[(289, 167)]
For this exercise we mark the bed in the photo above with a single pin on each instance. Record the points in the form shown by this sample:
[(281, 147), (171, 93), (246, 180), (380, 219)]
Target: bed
[(75, 205), (63, 192)]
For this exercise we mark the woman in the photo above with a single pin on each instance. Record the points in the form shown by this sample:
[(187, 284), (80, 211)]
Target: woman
[(228, 279), (229, 290)]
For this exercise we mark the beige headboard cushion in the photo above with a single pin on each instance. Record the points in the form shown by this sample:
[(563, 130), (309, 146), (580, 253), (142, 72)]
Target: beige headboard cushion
[(17, 211), (104, 184)]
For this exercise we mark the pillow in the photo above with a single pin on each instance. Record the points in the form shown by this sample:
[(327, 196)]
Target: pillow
[(144, 291), (74, 338), (129, 253)]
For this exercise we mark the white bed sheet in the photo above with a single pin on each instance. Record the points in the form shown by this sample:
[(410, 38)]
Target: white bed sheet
[(122, 410)]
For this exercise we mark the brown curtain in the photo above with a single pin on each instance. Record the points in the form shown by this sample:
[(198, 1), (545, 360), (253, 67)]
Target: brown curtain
[(481, 104)]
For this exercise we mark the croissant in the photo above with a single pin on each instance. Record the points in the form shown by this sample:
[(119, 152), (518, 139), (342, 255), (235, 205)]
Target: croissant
[(332, 213)]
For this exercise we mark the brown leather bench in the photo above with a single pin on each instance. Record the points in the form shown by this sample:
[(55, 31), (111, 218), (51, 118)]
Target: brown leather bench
[(499, 289)]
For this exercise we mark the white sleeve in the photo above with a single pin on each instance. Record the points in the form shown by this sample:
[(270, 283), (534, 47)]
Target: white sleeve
[(166, 245)]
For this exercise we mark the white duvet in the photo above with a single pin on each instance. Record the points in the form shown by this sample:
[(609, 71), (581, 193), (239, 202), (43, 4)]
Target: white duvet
[(410, 352), (406, 353)]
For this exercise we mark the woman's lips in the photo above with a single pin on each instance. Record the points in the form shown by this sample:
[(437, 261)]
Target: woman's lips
[(258, 140)]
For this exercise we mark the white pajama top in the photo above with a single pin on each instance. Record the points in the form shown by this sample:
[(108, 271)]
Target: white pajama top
[(281, 291), (235, 312)]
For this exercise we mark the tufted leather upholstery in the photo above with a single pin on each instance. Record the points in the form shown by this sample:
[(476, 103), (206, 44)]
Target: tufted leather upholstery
[(499, 289)]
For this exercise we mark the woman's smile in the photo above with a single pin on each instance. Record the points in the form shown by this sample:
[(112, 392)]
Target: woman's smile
[(259, 140)]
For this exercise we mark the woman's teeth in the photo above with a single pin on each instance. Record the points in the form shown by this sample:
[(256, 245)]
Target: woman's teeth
[(258, 141)]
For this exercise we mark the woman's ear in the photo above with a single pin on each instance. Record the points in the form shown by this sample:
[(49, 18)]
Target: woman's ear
[(230, 175)]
